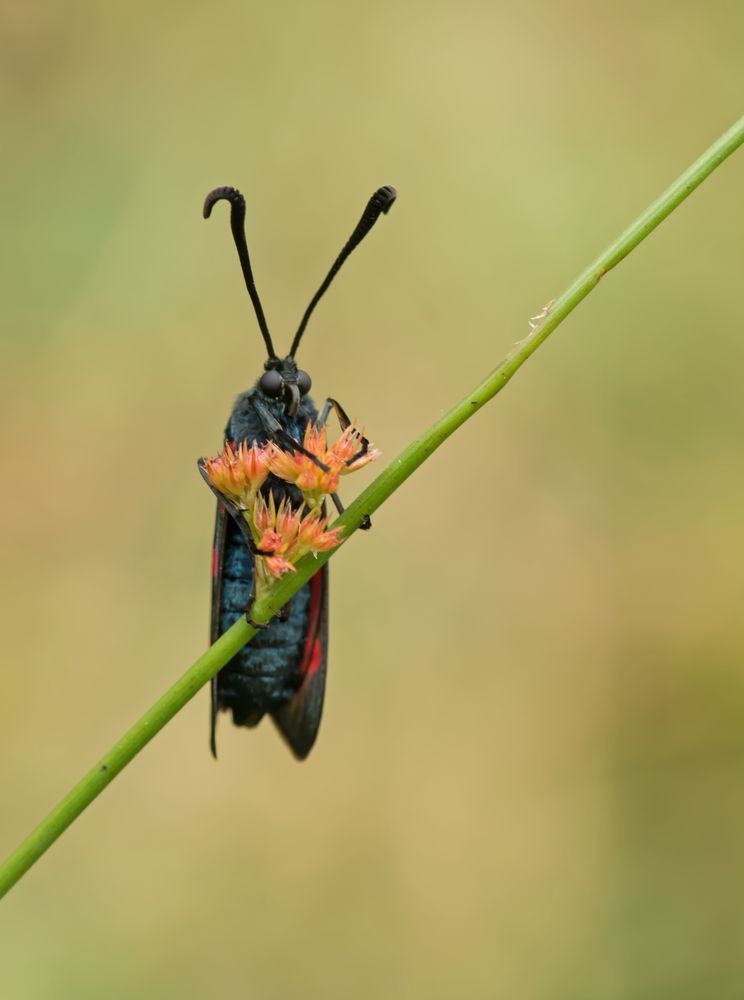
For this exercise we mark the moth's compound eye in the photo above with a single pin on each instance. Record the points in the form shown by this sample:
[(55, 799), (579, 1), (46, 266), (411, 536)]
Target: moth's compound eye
[(304, 382), (271, 383)]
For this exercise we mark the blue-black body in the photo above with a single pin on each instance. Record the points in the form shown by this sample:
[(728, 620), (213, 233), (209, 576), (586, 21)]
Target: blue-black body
[(282, 671)]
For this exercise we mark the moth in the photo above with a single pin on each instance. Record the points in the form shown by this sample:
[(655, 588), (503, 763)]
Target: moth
[(282, 671)]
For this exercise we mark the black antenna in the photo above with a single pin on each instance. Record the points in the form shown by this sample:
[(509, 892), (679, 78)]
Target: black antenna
[(381, 201), (237, 224)]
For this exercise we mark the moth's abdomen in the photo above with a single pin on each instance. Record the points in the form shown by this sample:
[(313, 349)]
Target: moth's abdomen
[(264, 674)]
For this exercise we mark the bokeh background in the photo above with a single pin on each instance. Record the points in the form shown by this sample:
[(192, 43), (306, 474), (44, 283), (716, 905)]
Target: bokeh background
[(529, 780)]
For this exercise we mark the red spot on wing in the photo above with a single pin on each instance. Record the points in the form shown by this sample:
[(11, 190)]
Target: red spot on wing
[(315, 657), (312, 653)]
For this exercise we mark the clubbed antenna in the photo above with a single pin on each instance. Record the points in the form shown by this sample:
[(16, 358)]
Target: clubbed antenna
[(237, 224), (380, 202)]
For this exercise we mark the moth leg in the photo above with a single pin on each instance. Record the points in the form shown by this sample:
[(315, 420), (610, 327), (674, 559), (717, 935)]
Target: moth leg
[(275, 430), (333, 404), (343, 419), (251, 622), (326, 412), (282, 614), (366, 522), (236, 513), (249, 607)]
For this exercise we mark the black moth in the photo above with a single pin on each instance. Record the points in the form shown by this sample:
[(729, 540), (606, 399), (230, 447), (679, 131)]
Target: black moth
[(282, 671)]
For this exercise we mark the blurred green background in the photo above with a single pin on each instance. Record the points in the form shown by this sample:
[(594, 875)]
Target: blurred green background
[(529, 780)]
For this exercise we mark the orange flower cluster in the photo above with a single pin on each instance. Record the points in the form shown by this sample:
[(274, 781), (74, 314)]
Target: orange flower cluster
[(240, 471), (342, 457), (289, 534)]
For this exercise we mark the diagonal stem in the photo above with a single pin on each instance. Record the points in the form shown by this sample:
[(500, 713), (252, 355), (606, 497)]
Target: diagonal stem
[(210, 662)]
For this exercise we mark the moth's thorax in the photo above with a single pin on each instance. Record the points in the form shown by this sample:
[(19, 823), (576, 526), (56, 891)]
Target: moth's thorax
[(246, 425)]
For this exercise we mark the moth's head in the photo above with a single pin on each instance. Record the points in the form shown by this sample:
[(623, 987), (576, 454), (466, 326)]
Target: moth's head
[(283, 380)]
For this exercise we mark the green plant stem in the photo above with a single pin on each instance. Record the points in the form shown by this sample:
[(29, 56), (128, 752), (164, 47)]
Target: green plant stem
[(386, 483)]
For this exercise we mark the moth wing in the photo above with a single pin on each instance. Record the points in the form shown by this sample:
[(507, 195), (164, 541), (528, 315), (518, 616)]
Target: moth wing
[(299, 719)]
